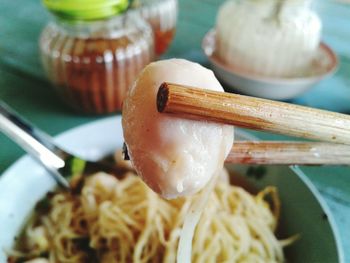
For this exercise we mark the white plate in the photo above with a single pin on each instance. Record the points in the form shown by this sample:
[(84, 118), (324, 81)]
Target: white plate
[(324, 65), (25, 182)]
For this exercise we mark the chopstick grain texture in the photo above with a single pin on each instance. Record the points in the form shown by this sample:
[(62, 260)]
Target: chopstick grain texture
[(254, 113), (289, 153)]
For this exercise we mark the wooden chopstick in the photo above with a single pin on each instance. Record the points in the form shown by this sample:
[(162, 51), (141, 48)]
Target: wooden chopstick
[(254, 113), (284, 153), (289, 153)]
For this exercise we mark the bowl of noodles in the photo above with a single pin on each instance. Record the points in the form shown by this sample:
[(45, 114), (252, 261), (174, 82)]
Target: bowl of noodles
[(255, 213)]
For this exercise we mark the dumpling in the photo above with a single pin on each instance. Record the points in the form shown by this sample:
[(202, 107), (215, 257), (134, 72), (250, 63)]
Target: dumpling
[(174, 156)]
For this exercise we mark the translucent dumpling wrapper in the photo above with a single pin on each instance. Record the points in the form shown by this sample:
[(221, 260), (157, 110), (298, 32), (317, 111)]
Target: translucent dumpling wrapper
[(268, 37), (173, 155)]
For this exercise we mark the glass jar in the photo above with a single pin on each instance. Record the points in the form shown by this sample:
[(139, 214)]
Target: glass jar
[(275, 38), (92, 64), (162, 16)]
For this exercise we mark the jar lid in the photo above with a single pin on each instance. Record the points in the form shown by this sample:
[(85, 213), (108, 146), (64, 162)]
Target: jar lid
[(86, 9)]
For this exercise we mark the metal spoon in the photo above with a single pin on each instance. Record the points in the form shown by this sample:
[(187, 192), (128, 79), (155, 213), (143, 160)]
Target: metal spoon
[(66, 168)]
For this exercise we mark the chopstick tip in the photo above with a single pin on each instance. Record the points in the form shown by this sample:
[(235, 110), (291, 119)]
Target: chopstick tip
[(125, 152), (162, 96)]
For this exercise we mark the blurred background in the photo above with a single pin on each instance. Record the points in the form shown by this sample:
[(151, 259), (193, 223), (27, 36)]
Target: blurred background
[(24, 85)]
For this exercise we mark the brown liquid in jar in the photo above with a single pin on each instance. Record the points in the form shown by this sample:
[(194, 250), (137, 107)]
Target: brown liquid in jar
[(162, 16), (163, 39), (93, 75)]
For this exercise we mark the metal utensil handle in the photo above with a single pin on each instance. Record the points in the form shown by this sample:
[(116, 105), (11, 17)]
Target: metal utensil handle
[(35, 142)]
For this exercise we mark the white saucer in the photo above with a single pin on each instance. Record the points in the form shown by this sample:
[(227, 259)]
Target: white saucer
[(324, 65)]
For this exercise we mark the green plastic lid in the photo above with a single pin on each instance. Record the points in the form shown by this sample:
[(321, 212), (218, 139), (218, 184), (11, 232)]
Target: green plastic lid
[(86, 9)]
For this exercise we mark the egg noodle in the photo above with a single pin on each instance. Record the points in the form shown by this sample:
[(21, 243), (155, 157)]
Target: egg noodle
[(122, 220)]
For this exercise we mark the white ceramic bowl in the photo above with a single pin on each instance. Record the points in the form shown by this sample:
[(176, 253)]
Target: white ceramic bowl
[(303, 210), (324, 65)]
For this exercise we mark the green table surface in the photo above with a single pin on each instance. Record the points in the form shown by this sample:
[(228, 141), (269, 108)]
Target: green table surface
[(24, 86)]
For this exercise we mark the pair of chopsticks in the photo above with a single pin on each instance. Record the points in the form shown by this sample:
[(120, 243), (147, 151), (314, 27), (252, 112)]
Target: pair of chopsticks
[(332, 129)]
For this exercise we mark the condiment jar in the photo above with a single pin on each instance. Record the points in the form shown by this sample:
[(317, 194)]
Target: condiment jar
[(275, 38), (92, 53), (162, 16)]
